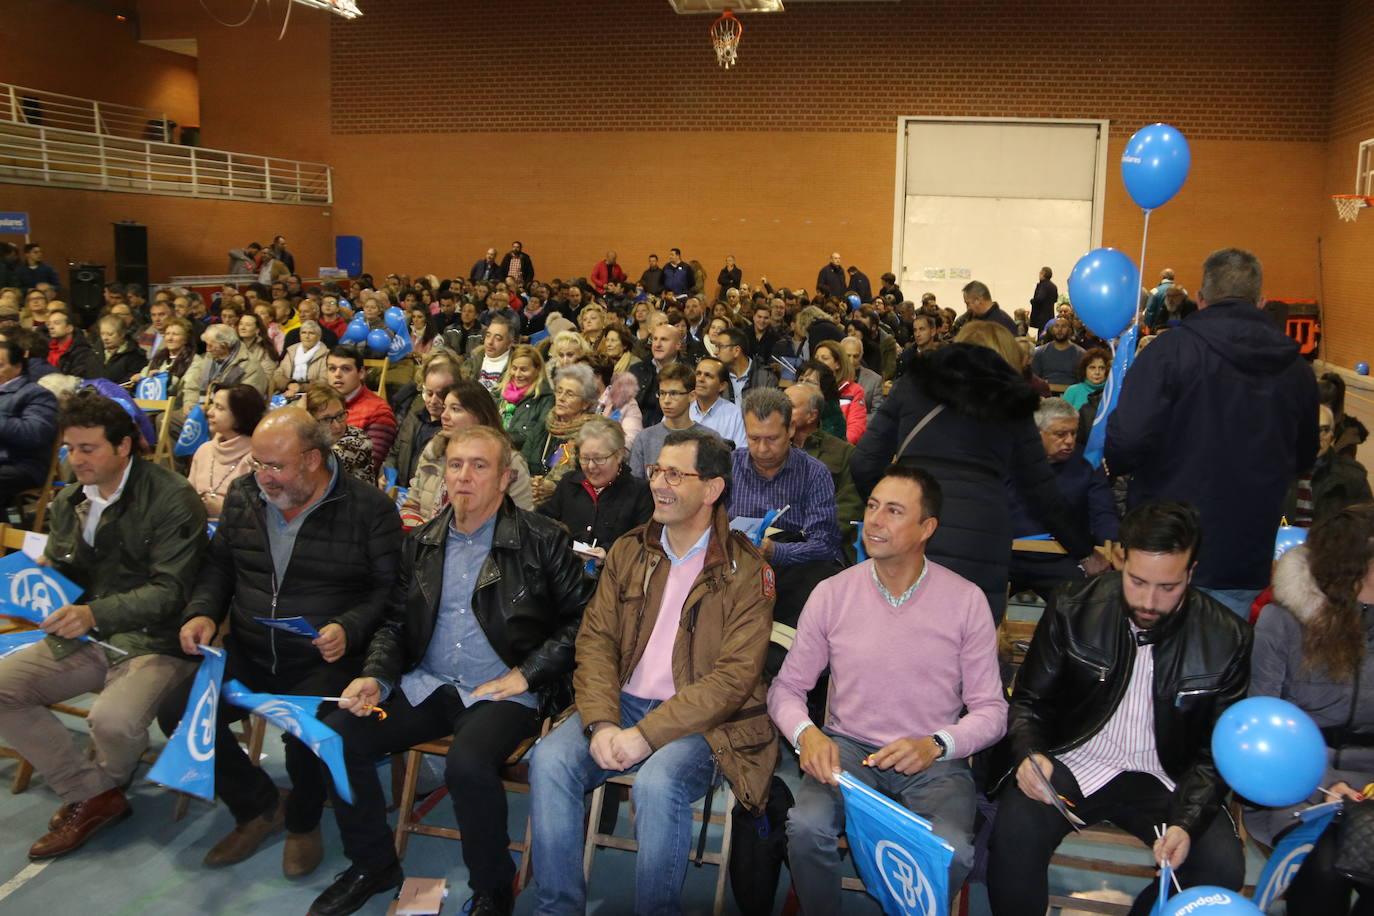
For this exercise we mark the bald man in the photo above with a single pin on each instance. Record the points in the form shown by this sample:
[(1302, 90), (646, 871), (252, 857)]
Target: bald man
[(296, 539)]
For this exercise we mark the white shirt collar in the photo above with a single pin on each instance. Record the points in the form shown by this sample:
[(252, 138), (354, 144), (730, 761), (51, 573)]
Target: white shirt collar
[(92, 491)]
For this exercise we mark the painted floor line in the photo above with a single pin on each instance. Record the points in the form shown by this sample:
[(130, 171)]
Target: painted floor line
[(27, 874)]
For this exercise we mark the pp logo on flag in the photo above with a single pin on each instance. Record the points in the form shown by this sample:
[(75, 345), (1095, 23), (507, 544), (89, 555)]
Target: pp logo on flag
[(200, 737), (35, 591), (190, 431), (283, 715), (904, 879)]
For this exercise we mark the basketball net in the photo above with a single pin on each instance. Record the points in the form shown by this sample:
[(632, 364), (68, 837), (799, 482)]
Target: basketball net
[(725, 34), (1348, 206)]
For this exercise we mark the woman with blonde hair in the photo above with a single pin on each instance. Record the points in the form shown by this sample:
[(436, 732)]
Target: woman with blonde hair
[(567, 347), (553, 453), (994, 337), (592, 322), (523, 396), (852, 403)]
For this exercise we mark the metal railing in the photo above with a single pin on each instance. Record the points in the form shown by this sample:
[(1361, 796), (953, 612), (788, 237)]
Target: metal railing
[(52, 109), (69, 158)]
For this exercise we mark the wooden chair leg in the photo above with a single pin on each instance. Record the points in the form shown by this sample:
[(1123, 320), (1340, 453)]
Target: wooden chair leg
[(593, 830), (522, 875), (22, 775), (404, 816), (723, 870), (183, 804), (398, 779)]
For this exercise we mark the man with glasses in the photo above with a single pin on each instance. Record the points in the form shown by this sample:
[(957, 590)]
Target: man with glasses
[(296, 539), (676, 384), (668, 684)]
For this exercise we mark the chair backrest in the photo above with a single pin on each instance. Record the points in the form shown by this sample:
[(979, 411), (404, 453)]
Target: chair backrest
[(162, 452), (380, 366), (11, 538), (1036, 545)]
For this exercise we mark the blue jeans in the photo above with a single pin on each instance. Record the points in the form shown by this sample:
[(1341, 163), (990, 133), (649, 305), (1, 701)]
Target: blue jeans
[(562, 771), (942, 794), (1237, 599)]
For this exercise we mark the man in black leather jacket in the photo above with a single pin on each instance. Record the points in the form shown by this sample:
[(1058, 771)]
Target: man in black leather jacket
[(478, 646), (1115, 705)]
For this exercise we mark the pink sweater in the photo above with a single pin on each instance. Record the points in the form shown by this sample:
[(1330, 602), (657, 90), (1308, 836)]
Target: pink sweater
[(901, 672)]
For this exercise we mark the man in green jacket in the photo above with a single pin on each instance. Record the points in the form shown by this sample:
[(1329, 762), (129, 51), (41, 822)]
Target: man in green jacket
[(131, 535), (831, 451)]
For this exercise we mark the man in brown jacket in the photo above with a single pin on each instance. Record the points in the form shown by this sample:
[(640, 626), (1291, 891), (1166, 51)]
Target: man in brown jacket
[(668, 683)]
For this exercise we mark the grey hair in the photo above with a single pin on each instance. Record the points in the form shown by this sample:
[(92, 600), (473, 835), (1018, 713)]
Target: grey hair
[(604, 428), (1052, 409), (978, 290), (814, 399), (220, 334), (808, 315), (762, 403), (1231, 273), (582, 374), (309, 325)]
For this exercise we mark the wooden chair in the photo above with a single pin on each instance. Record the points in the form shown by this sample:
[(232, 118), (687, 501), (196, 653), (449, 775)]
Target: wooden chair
[(380, 366), (42, 495), (162, 452)]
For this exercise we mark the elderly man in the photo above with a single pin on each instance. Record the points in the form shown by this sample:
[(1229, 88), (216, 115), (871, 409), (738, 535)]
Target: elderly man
[(1221, 412), (1086, 490), (1056, 361), (479, 643), (487, 269), (980, 307), (1175, 307), (668, 684), (1113, 713), (915, 689), (227, 363), (131, 535), (343, 369), (606, 271), (296, 539), (665, 347)]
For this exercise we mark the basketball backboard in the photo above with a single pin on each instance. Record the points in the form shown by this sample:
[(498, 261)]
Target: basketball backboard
[(690, 7)]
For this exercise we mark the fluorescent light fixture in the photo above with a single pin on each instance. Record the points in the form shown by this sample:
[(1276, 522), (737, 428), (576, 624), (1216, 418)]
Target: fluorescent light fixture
[(348, 9)]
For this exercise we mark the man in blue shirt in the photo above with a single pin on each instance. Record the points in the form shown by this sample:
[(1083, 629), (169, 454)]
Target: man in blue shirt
[(478, 645), (677, 275)]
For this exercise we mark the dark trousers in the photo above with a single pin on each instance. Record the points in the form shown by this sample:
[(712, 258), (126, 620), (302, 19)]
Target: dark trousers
[(15, 479), (1027, 832), (1319, 890), (247, 790), (484, 735), (1041, 572), (794, 585)]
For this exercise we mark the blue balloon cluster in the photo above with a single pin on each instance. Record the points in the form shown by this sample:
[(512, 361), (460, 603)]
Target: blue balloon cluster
[(356, 332), (378, 341), (1269, 751), (1104, 288), (1154, 166)]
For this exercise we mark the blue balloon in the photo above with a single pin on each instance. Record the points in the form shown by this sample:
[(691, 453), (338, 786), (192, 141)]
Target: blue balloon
[(395, 319), (1105, 289), (1210, 900), (853, 300), (356, 332), (378, 341), (1269, 751), (1288, 537), (1362, 368), (1154, 165)]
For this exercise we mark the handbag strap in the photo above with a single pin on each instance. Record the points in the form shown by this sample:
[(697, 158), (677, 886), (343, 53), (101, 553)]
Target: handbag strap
[(931, 415)]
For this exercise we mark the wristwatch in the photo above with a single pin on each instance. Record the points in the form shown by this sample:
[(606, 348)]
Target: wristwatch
[(940, 743), (591, 729)]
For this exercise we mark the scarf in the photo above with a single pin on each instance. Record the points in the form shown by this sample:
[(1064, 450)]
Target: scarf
[(301, 369), (623, 363), (175, 366), (58, 350), (513, 393), (564, 429)]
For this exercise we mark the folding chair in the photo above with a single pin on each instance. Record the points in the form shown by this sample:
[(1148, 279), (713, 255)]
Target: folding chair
[(380, 366), (42, 495), (162, 452)]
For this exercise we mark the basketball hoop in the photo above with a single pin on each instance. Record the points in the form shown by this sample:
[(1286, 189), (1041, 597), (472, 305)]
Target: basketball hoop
[(725, 33), (1348, 206)]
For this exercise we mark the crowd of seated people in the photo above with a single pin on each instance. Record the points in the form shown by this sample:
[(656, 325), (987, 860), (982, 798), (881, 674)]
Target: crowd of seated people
[(603, 495)]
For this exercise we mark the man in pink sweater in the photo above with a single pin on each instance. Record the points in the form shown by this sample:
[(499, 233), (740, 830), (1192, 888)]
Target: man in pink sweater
[(909, 645)]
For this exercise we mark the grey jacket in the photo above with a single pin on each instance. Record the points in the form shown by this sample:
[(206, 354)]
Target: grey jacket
[(1277, 671)]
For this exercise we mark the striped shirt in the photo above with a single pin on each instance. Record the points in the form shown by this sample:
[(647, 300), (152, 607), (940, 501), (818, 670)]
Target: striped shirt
[(1127, 742)]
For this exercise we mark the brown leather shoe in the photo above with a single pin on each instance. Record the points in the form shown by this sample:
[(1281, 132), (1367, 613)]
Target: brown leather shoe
[(65, 811), (245, 839), (302, 853), (76, 827)]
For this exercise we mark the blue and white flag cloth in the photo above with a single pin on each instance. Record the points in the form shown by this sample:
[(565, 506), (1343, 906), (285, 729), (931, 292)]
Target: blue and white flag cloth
[(195, 432), (278, 400), (1124, 348), (32, 592), (297, 715), (187, 763), (903, 864), (152, 387), (298, 625), (400, 346), (1289, 853), (11, 643)]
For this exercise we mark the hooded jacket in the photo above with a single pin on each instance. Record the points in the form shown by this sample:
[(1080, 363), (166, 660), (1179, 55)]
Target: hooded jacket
[(986, 434), (718, 651), (1220, 412)]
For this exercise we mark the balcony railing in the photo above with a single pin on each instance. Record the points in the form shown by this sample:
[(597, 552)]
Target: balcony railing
[(51, 109)]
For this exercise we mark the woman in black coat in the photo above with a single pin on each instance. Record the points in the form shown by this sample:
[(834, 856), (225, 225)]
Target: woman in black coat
[(601, 500), (983, 434)]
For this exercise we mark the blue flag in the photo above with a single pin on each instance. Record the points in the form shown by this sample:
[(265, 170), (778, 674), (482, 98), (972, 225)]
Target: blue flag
[(1290, 852), (195, 432), (278, 400), (32, 592), (1121, 362), (400, 345), (187, 763), (297, 715), (152, 387), (11, 643), (903, 864)]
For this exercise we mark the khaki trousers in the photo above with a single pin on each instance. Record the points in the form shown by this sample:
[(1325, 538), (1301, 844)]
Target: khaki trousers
[(130, 692)]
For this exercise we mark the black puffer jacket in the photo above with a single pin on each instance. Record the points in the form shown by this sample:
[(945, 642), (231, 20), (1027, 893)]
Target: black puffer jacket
[(343, 570), (625, 503), (529, 598), (985, 435), (1077, 671)]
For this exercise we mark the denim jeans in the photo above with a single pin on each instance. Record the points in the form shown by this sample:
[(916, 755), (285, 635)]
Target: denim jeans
[(942, 794), (562, 771), (1237, 599)]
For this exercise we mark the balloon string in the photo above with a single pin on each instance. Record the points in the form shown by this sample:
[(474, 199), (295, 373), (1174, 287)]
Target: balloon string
[(1144, 236)]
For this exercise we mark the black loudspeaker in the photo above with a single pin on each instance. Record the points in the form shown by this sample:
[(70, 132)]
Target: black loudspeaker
[(87, 285), (131, 253)]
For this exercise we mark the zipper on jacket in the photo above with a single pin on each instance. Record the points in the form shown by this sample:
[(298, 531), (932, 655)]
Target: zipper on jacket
[(272, 631), (1178, 700)]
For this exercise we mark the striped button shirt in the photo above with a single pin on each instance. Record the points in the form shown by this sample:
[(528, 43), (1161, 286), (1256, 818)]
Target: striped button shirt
[(1127, 742)]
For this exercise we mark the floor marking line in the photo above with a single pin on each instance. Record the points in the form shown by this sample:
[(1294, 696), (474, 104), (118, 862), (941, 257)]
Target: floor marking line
[(26, 874)]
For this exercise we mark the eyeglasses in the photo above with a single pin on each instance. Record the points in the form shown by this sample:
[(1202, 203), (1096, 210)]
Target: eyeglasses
[(595, 461), (672, 476), (333, 417), (257, 465), (672, 394)]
